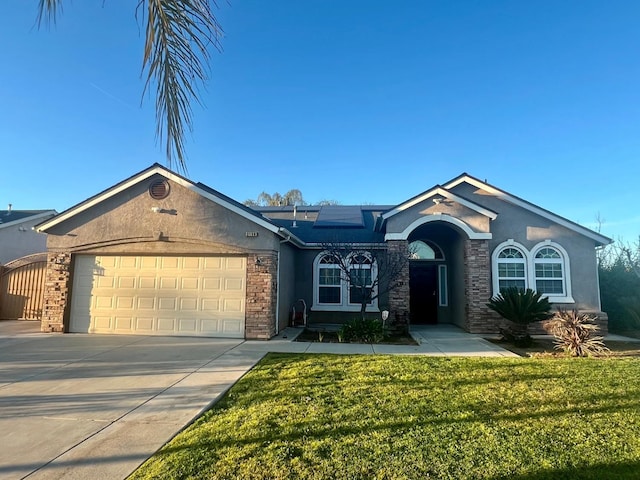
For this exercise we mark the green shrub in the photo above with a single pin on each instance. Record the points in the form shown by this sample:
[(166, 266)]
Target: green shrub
[(365, 330), (520, 307), (620, 291), (574, 334)]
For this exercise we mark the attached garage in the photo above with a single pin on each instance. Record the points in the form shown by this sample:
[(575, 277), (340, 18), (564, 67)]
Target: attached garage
[(159, 295)]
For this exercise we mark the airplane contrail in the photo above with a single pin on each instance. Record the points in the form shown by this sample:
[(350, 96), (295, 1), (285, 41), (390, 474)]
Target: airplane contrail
[(104, 92)]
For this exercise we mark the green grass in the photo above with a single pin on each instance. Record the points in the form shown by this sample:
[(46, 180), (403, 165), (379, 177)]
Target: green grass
[(381, 417)]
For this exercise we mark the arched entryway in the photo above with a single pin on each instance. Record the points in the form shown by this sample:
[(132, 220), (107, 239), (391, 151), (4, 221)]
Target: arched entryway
[(436, 274)]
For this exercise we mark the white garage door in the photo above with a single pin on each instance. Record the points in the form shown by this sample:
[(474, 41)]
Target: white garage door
[(147, 295)]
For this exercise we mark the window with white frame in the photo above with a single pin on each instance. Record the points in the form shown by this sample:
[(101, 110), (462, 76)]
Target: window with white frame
[(336, 289), (329, 280), (512, 269), (360, 279), (549, 272), (545, 269)]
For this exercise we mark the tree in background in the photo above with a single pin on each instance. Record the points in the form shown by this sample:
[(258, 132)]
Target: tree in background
[(619, 272), (292, 197), (178, 37)]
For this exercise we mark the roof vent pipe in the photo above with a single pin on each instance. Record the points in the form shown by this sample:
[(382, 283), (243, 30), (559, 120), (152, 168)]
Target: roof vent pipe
[(295, 211), (9, 209)]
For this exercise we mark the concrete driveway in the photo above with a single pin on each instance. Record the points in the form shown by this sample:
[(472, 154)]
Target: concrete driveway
[(93, 406), (96, 406)]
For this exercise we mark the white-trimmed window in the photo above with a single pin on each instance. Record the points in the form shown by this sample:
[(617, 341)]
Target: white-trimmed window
[(509, 267), (333, 291), (545, 269), (550, 271), (329, 281), (360, 278)]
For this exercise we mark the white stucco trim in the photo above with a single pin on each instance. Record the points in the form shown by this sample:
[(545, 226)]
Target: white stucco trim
[(438, 217), (444, 193), (601, 239), (157, 169), (31, 218)]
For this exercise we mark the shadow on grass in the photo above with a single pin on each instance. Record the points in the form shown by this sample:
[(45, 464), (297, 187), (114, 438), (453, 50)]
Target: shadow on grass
[(610, 471)]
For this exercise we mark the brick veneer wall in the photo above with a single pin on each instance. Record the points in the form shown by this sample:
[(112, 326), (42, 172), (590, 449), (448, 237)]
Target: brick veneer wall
[(56, 291), (262, 291), (399, 296), (477, 288)]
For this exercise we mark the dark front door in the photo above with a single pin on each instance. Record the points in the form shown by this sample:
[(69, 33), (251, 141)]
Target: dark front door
[(423, 291)]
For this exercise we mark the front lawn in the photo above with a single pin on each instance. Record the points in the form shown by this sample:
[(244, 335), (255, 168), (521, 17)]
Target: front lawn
[(382, 417)]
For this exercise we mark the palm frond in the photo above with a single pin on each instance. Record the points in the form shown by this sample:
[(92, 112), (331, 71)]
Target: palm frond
[(574, 333), (48, 11), (521, 306), (179, 35)]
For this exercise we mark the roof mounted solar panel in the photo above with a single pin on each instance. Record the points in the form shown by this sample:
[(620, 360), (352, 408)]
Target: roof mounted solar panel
[(340, 216)]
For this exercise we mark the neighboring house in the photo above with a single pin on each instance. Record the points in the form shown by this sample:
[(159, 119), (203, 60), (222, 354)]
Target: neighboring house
[(159, 254), (17, 237)]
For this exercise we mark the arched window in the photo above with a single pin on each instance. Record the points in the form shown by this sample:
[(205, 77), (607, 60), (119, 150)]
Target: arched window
[(426, 250), (329, 280), (549, 272), (341, 284), (360, 278), (509, 261)]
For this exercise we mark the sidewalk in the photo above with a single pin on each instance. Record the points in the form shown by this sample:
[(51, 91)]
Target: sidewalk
[(433, 340)]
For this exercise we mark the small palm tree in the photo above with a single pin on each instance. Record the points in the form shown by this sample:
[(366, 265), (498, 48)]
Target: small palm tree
[(521, 307), (574, 333)]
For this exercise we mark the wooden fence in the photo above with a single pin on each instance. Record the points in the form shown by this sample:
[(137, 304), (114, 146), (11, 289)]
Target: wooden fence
[(22, 288)]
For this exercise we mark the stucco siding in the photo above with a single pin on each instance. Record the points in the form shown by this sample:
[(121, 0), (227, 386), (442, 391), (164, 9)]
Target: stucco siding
[(530, 229), (399, 222), (188, 222), (286, 285), (19, 240)]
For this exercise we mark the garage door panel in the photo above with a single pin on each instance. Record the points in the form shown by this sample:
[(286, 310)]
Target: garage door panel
[(189, 283), (126, 282), (103, 281), (212, 283), (210, 326), (148, 262), (167, 303), (169, 263), (146, 303), (144, 325), (145, 282), (159, 295), (189, 304), (166, 326), (102, 323), (234, 284), (128, 262), (211, 305), (168, 283), (124, 323), (233, 305), (231, 326), (213, 263)]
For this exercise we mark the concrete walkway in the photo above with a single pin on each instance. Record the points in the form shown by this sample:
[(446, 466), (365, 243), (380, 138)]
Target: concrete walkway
[(96, 406)]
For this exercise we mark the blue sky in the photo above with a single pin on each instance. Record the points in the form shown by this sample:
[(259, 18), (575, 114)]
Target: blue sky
[(358, 101)]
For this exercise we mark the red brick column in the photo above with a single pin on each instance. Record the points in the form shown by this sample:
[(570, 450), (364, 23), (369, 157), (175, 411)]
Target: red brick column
[(56, 291), (399, 296), (262, 291), (477, 287)]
